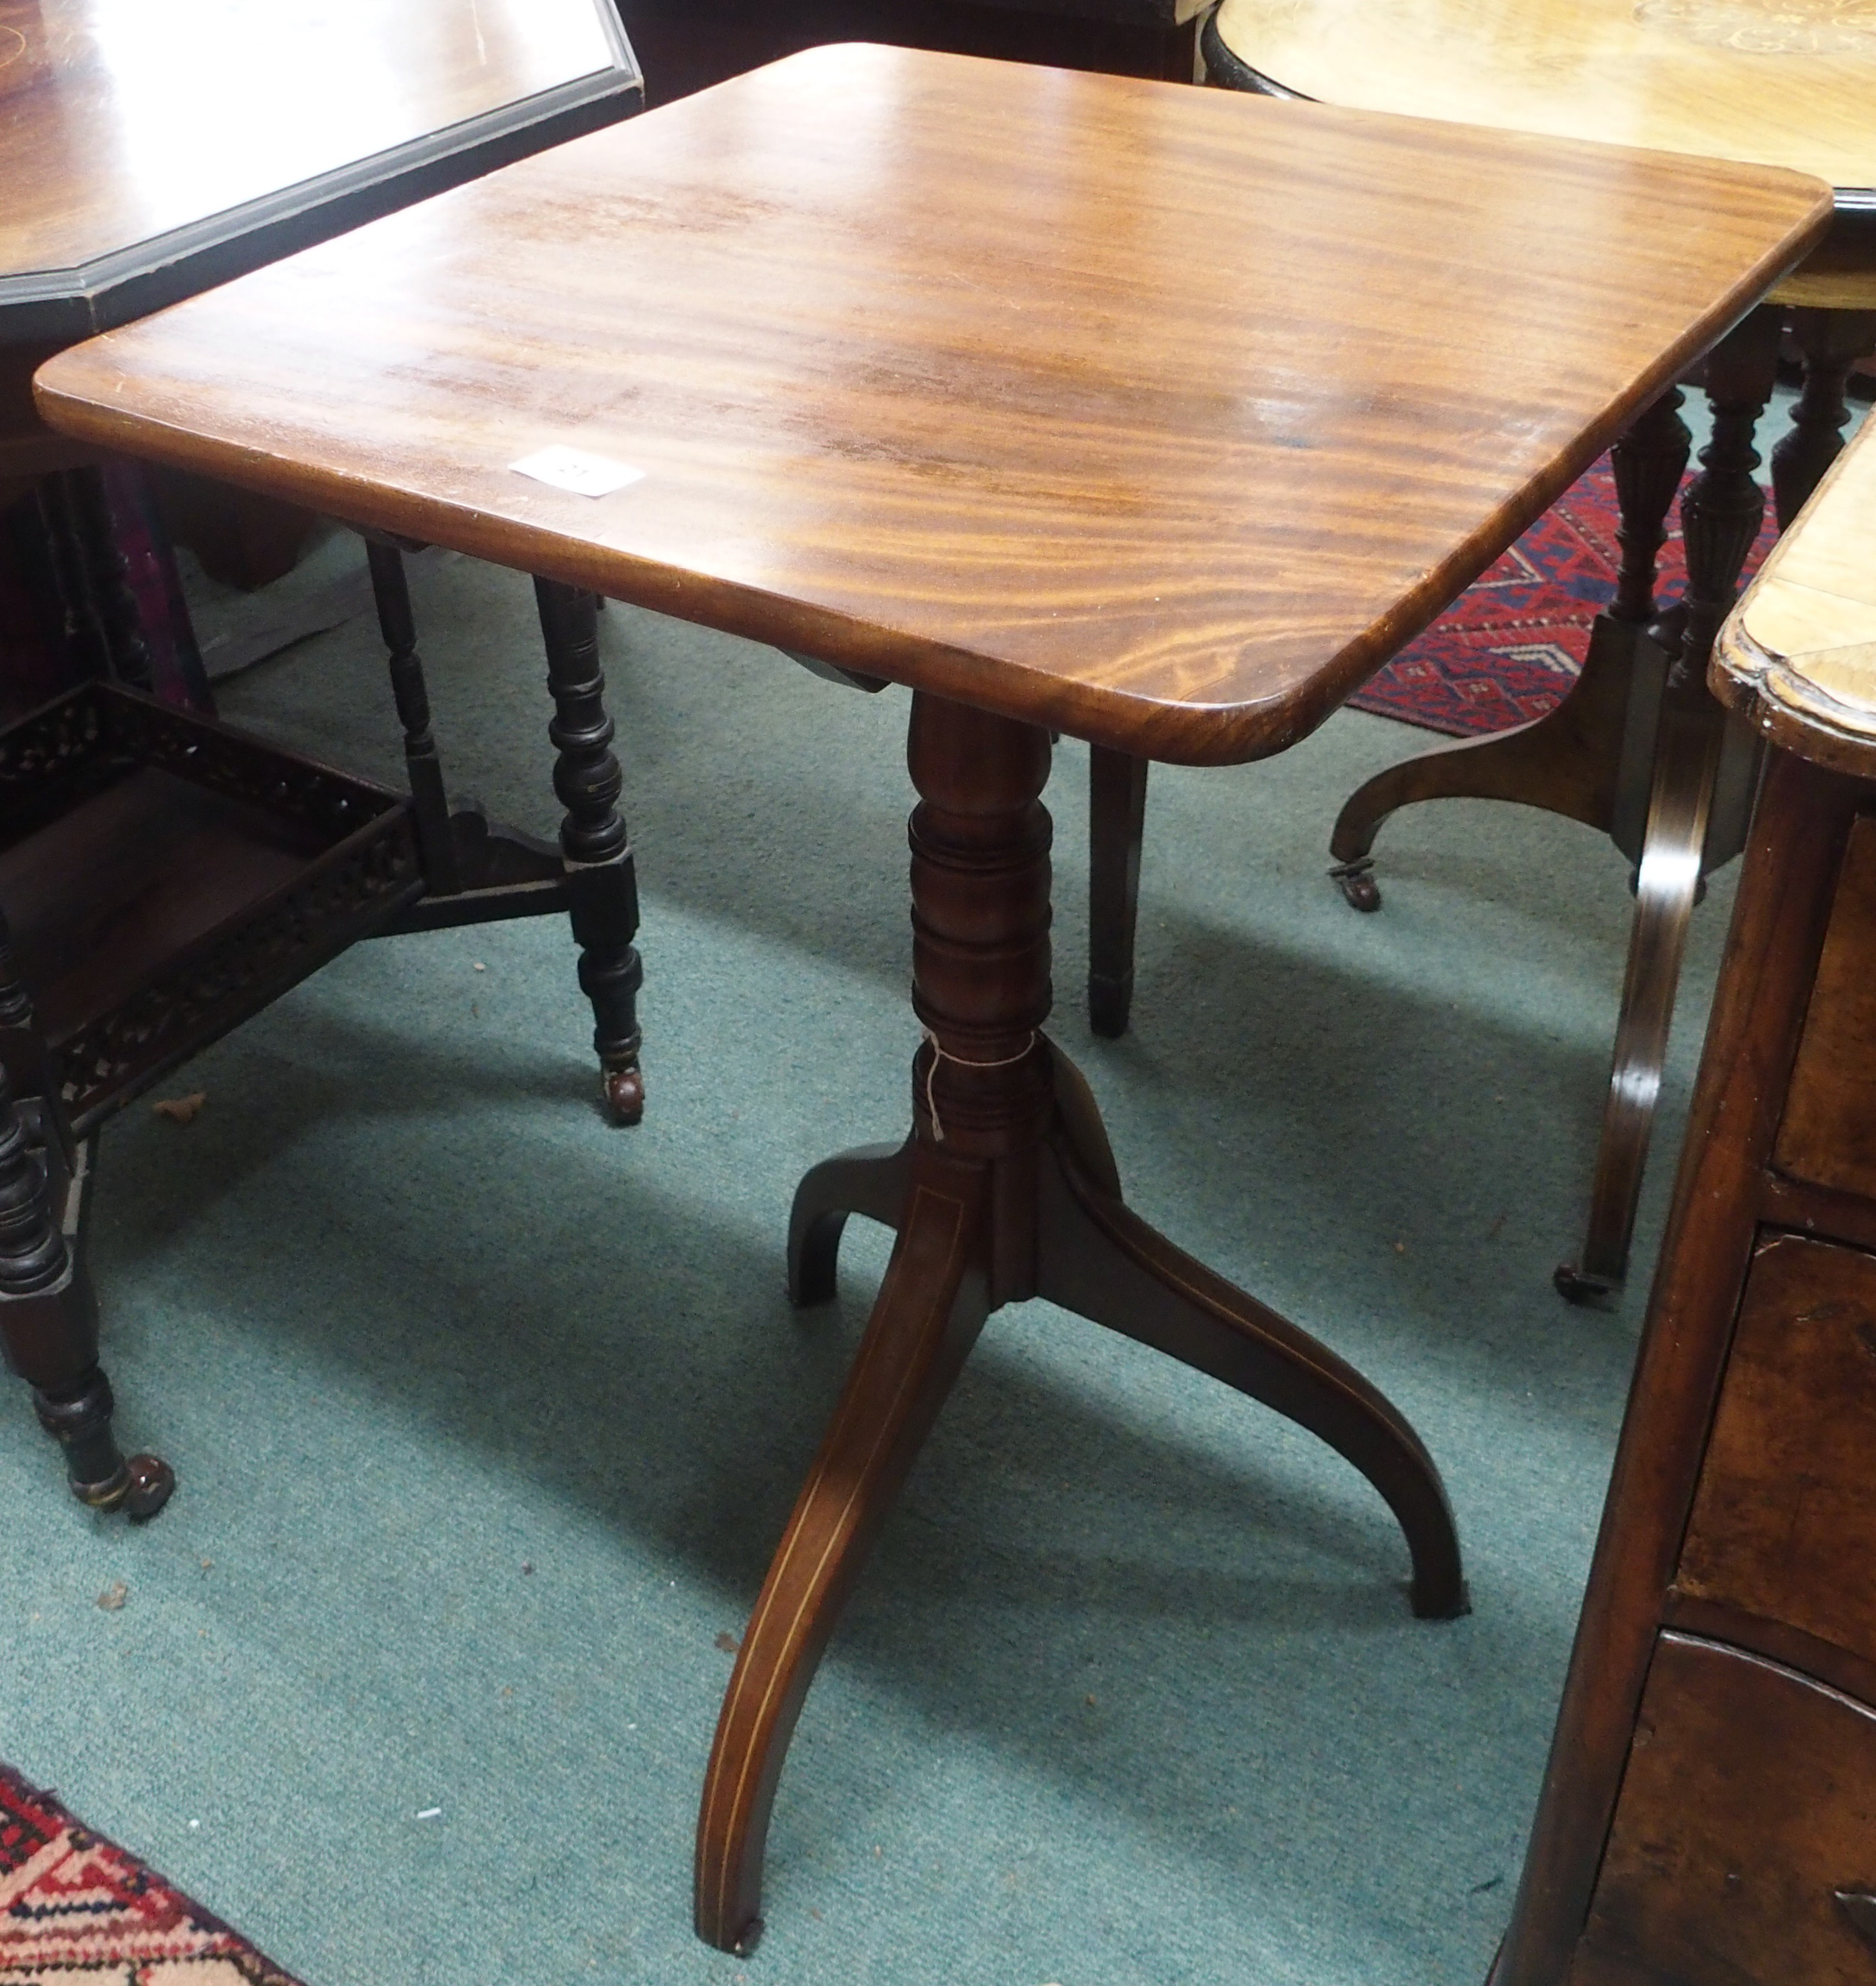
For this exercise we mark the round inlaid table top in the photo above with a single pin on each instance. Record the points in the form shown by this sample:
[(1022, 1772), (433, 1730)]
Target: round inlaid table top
[(1775, 82), (1784, 82), (1799, 654)]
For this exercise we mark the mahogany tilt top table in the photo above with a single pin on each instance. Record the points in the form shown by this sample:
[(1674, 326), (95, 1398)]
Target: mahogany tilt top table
[(1158, 416)]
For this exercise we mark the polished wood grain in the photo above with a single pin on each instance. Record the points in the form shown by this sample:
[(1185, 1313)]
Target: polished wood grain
[(1799, 655), (1748, 1808), (1828, 1137), (936, 388), (1784, 1525), (120, 123), (1789, 82), (1798, 833), (1719, 1620), (1744, 1477), (148, 153), (925, 381)]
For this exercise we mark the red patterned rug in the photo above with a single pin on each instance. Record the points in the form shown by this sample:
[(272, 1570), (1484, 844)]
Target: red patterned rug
[(1509, 647), (76, 1911)]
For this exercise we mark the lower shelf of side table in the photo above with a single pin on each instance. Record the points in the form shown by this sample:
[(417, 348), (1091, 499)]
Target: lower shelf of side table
[(164, 877)]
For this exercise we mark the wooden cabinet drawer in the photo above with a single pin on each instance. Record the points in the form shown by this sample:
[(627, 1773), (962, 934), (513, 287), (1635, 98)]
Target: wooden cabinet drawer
[(1784, 1519), (1828, 1134), (1749, 1804)]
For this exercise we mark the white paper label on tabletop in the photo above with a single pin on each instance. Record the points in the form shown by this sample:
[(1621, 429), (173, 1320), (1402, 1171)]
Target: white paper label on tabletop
[(574, 468)]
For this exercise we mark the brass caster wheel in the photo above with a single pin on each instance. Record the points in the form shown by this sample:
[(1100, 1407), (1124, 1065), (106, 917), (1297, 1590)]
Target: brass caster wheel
[(152, 1482), (139, 1488)]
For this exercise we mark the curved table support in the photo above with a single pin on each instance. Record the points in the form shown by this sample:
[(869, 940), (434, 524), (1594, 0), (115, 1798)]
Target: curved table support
[(871, 1179), (1608, 755), (1100, 1260), (930, 1309), (1006, 1190), (1564, 762), (1568, 761), (1720, 517), (1667, 886), (1584, 760)]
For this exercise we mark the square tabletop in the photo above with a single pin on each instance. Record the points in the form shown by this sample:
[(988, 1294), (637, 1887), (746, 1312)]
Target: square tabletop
[(1161, 415)]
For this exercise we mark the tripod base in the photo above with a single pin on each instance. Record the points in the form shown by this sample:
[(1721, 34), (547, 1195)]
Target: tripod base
[(1091, 1254)]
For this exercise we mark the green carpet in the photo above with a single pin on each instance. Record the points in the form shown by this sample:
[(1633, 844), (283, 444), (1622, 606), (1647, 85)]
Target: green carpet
[(487, 1416)]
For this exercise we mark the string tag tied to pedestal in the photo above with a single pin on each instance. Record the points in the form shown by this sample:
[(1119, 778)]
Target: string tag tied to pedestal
[(942, 1054)]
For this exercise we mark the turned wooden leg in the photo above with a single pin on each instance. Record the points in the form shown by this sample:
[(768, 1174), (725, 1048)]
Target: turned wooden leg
[(49, 1314), (1648, 464), (475, 870), (1724, 506), (1568, 761), (602, 885), (1830, 342), (1116, 818), (1720, 517), (871, 1181), (429, 804), (1006, 1190)]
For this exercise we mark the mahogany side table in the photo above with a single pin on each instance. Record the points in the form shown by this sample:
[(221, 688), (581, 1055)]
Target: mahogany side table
[(1709, 1815), (1638, 749), (889, 355), (161, 877)]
